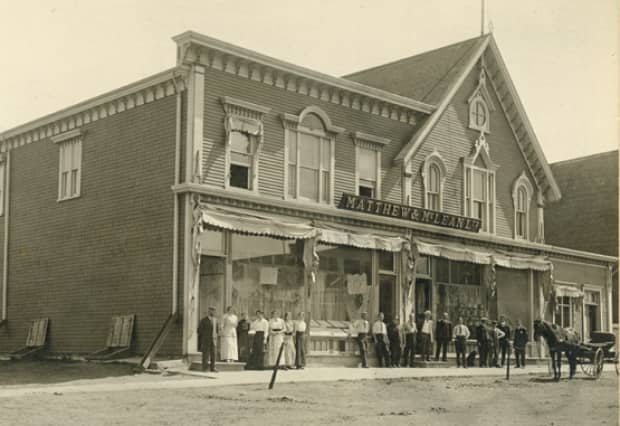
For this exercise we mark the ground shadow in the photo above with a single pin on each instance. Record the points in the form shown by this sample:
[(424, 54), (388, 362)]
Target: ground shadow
[(547, 379), (48, 372)]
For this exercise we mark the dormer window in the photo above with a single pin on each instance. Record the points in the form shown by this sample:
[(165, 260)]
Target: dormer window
[(309, 156), (368, 164), (244, 137)]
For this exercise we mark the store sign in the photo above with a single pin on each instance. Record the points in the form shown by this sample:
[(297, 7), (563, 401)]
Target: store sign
[(415, 214)]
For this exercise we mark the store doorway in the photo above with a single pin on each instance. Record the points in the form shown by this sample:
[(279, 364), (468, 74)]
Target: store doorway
[(211, 291), (591, 318), (387, 296), (423, 298)]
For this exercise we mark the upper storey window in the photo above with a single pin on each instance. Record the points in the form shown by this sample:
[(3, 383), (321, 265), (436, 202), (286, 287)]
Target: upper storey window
[(244, 137), (479, 182), (522, 192), (69, 164), (480, 105), (368, 164), (433, 176), (309, 156)]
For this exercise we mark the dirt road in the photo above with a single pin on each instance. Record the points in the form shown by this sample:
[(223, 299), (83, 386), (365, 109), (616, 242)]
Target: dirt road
[(524, 400)]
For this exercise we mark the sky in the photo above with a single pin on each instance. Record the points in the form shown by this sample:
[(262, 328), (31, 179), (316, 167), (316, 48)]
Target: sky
[(562, 55)]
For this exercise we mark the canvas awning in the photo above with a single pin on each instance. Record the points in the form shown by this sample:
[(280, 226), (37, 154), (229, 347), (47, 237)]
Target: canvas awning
[(566, 291), (356, 237), (465, 253), (264, 224)]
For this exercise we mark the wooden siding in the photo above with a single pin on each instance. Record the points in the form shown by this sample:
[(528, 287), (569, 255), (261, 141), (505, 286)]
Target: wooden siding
[(453, 139), (271, 160)]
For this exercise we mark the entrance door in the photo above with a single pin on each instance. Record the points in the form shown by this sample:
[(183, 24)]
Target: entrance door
[(591, 318), (387, 296), (211, 287), (423, 292)]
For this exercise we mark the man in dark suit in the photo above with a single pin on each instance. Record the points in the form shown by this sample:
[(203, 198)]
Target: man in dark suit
[(503, 342), (207, 339), (483, 342), (443, 334), (520, 343)]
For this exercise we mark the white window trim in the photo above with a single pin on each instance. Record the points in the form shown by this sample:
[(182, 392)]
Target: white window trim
[(236, 108), (72, 136), (481, 148), (374, 143), (292, 123), (434, 158), (522, 182), (481, 95)]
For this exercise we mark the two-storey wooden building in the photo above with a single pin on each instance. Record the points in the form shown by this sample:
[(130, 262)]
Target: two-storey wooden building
[(239, 179)]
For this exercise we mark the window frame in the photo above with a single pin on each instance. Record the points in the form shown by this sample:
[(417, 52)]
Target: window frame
[(293, 124), (71, 139), (242, 116), (480, 97), (3, 185), (371, 143), (481, 149), (434, 159), (522, 183)]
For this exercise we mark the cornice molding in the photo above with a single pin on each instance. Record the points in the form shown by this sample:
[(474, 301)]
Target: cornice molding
[(144, 91), (196, 48), (71, 134)]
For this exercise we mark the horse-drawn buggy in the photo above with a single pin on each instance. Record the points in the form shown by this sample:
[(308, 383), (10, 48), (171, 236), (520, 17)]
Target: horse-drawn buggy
[(591, 356)]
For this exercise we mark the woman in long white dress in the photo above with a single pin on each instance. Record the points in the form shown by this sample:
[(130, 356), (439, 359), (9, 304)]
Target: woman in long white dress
[(229, 351), (276, 331)]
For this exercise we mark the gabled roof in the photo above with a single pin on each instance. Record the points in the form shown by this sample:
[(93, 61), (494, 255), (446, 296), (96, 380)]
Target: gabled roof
[(428, 75), (589, 207), (436, 76)]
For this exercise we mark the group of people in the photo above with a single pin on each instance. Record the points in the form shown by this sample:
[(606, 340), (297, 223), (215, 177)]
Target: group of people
[(242, 340), (393, 340)]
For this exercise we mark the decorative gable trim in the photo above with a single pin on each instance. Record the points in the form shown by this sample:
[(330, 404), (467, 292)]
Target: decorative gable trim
[(481, 148), (407, 152), (481, 89)]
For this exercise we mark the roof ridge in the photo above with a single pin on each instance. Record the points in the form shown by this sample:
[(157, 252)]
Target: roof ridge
[(585, 157), (396, 61)]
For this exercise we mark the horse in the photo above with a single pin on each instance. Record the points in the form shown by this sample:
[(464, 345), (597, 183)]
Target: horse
[(559, 340)]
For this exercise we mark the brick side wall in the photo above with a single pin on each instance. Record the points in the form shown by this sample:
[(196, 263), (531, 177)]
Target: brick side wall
[(271, 167), (108, 252), (453, 139)]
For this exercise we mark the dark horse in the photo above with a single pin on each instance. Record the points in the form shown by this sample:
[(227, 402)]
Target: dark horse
[(559, 340)]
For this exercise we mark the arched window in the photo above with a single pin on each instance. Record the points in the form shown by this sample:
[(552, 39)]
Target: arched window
[(310, 155), (522, 192), (433, 176), (433, 190), (479, 114)]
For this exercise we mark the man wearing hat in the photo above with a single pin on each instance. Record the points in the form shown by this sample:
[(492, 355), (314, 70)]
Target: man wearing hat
[(207, 339), (483, 342)]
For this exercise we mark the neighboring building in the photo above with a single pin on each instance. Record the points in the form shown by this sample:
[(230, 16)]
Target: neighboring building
[(586, 218), (419, 184)]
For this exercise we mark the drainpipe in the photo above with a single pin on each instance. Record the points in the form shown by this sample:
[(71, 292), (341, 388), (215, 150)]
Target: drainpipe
[(175, 225), (5, 260)]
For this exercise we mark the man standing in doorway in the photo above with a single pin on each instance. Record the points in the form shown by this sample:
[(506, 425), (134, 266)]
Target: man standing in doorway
[(426, 334), (379, 331), (443, 334), (207, 339), (361, 328)]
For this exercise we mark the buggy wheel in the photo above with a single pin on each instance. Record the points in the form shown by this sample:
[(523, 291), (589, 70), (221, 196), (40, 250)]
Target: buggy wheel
[(593, 366)]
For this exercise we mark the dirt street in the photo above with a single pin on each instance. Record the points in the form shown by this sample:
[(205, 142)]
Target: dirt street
[(524, 400)]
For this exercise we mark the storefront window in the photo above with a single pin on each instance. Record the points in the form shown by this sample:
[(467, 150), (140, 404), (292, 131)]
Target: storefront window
[(563, 311), (267, 274), (343, 283), (459, 291)]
